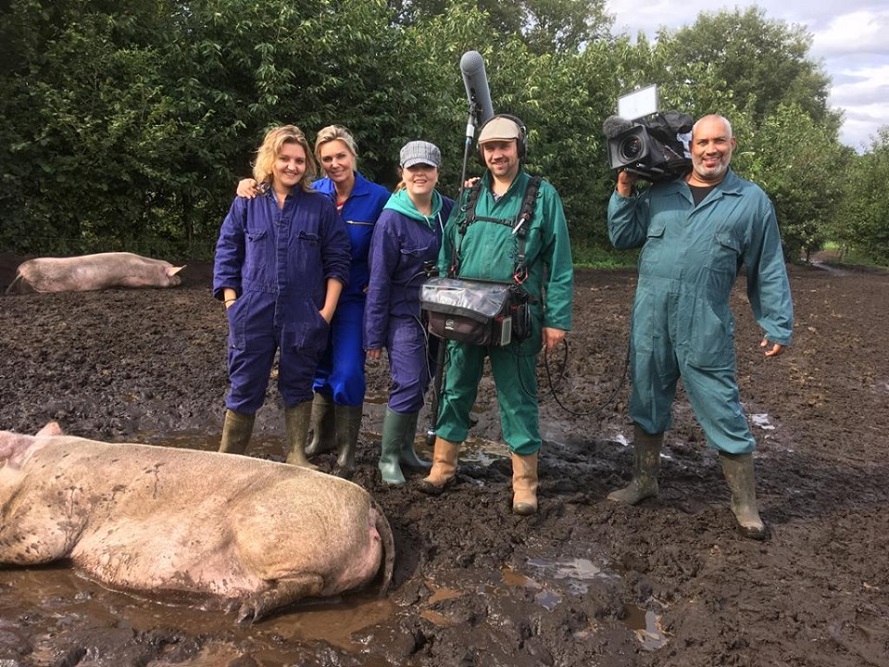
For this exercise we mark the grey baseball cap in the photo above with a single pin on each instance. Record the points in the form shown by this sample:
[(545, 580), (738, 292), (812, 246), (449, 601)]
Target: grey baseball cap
[(420, 152)]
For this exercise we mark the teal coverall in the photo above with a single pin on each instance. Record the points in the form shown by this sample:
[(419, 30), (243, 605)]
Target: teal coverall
[(682, 323), (488, 252)]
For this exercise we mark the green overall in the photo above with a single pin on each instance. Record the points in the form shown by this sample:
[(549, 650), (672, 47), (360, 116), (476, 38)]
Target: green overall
[(682, 323), (488, 252)]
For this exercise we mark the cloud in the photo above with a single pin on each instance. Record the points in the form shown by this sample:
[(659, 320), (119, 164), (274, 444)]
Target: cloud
[(850, 40), (864, 31)]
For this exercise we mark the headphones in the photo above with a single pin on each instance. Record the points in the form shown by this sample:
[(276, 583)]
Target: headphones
[(521, 142)]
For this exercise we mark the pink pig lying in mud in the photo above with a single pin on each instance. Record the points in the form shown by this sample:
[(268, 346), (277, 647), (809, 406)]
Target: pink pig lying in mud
[(88, 273), (247, 534)]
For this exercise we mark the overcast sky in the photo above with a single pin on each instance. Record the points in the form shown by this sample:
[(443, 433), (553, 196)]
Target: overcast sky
[(850, 38)]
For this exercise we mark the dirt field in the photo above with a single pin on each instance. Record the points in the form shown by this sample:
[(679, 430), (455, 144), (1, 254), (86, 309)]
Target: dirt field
[(585, 582)]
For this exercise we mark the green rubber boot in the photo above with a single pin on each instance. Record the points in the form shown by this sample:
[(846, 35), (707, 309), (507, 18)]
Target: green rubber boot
[(738, 470), (409, 457), (646, 464), (322, 426), (297, 421), (236, 431), (397, 430), (348, 424)]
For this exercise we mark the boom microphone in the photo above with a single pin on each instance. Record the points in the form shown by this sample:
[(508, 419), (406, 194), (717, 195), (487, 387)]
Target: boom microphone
[(614, 126), (477, 91)]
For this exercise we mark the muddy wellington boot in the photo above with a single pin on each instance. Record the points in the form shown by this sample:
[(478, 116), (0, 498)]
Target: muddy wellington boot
[(738, 470), (297, 422), (646, 464), (348, 423), (322, 426), (524, 483), (397, 430), (444, 468), (236, 431), (408, 456)]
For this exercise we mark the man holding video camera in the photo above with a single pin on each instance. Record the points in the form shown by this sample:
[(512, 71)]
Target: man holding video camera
[(499, 245), (696, 232)]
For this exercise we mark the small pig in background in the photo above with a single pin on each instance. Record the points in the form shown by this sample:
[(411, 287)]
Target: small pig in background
[(251, 535), (88, 273)]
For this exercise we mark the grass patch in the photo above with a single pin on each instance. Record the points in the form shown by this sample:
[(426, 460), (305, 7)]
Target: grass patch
[(595, 257)]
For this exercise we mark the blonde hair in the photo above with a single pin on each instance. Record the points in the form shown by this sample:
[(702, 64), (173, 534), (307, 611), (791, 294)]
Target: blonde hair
[(271, 147), (335, 133)]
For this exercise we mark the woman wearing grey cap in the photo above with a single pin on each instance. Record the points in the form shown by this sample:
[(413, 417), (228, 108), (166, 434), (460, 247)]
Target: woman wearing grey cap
[(407, 236)]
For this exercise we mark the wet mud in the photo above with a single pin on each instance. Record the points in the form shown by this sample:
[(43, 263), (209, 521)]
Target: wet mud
[(584, 582)]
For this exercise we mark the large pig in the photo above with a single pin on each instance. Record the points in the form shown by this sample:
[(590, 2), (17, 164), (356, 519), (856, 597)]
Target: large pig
[(250, 534), (87, 273)]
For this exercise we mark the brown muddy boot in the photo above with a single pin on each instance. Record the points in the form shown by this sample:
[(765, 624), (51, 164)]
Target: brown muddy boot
[(646, 463), (348, 424), (524, 483), (322, 426), (444, 468), (236, 431), (297, 421), (738, 470)]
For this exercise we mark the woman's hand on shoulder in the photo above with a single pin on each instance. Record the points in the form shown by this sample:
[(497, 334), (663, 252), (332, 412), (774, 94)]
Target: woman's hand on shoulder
[(248, 188)]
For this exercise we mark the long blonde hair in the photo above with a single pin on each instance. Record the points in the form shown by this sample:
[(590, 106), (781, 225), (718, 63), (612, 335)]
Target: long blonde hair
[(271, 146)]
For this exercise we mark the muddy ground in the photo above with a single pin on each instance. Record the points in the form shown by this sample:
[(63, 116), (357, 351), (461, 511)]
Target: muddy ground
[(584, 582)]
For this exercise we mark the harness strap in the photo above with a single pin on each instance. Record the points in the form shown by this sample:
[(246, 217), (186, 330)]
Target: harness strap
[(519, 225)]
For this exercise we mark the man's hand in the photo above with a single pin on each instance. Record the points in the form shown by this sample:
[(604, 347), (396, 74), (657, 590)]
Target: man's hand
[(772, 349), (552, 337), (248, 188), (625, 183), (375, 353)]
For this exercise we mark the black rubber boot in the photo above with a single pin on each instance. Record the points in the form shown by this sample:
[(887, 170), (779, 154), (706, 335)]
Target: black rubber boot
[(322, 426), (738, 471), (646, 464), (348, 424), (236, 431)]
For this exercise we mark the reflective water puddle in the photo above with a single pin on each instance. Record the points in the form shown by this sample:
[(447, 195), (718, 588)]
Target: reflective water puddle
[(578, 574)]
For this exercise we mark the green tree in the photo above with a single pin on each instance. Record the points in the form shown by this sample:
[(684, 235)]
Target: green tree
[(546, 26), (801, 166), (764, 62), (862, 224)]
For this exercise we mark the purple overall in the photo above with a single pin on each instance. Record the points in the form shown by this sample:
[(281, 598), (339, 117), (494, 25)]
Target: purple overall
[(278, 262), (400, 247)]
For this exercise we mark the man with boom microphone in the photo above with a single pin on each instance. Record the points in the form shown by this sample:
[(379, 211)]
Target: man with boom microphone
[(696, 232), (488, 238)]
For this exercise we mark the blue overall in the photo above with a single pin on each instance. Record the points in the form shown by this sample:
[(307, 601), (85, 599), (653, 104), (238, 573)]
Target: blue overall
[(278, 262), (682, 323), (403, 241), (340, 372)]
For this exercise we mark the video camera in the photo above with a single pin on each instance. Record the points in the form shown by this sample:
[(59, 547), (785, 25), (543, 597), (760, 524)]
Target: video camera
[(645, 142)]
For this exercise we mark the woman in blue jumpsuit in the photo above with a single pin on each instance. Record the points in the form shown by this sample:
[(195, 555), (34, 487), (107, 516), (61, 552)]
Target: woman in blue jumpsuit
[(407, 237), (281, 262), (339, 382)]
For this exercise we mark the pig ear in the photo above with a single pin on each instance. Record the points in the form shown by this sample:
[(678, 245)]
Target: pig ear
[(173, 270), (52, 428)]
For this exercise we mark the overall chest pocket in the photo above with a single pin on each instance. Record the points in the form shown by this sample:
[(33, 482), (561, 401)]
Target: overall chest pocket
[(725, 254)]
